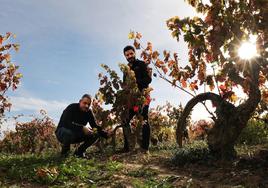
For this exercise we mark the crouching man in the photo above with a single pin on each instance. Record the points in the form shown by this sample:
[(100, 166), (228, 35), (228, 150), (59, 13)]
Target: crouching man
[(72, 127)]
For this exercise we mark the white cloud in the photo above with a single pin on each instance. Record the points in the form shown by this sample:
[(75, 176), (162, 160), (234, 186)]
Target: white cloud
[(31, 105), (200, 112), (52, 107), (7, 126)]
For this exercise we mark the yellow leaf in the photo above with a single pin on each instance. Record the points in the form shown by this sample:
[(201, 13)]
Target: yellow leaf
[(233, 97), (19, 75), (131, 35)]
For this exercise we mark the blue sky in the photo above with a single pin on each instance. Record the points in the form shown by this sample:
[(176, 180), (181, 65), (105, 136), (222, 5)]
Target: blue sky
[(63, 44)]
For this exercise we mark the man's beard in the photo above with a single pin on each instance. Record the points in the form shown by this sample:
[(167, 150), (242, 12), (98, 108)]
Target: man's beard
[(84, 109), (131, 60)]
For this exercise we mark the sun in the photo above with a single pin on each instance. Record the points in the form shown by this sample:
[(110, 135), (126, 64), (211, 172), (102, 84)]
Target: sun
[(248, 49)]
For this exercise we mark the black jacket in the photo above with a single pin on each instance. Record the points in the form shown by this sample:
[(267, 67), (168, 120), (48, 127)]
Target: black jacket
[(74, 119), (143, 78)]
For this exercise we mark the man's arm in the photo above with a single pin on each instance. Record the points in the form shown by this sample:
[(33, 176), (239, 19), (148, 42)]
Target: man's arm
[(93, 124), (67, 119), (146, 75)]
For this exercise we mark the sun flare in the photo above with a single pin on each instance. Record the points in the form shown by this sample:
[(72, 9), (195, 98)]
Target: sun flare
[(248, 49)]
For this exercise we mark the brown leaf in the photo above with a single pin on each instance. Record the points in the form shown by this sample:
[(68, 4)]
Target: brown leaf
[(159, 63), (1, 40), (265, 95), (137, 44), (149, 46), (171, 63), (155, 55), (183, 83), (166, 55), (193, 85), (210, 82), (138, 35), (165, 70)]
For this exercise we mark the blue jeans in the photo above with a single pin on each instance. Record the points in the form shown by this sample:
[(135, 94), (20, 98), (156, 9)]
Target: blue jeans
[(68, 137)]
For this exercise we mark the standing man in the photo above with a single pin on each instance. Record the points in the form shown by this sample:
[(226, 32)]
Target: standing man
[(143, 79), (72, 127)]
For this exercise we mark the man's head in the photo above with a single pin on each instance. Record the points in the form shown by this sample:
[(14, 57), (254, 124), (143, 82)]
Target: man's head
[(85, 102), (130, 54)]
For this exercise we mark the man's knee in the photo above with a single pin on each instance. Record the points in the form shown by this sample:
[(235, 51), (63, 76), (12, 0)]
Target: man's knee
[(65, 136)]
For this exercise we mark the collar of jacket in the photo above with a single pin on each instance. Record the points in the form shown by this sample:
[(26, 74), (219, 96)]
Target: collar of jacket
[(134, 64)]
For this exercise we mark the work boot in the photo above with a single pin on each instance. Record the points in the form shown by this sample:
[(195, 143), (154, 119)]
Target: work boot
[(65, 150), (79, 154)]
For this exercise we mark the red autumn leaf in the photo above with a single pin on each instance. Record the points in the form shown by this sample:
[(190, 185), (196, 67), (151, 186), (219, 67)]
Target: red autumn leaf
[(147, 100), (222, 87), (209, 58), (3, 86), (183, 83), (135, 108)]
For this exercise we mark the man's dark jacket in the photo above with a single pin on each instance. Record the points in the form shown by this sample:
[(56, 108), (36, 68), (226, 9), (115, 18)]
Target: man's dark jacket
[(74, 118), (143, 78)]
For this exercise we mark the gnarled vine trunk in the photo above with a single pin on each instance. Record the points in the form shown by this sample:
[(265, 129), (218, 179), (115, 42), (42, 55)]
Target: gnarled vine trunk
[(230, 119)]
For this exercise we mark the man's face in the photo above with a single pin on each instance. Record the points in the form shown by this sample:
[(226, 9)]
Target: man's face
[(130, 56), (84, 104)]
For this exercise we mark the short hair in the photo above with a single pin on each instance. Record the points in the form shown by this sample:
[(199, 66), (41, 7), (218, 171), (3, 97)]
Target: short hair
[(86, 96), (128, 48)]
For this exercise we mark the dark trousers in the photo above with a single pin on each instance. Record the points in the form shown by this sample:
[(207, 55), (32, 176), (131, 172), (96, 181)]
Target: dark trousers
[(146, 131), (68, 137)]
